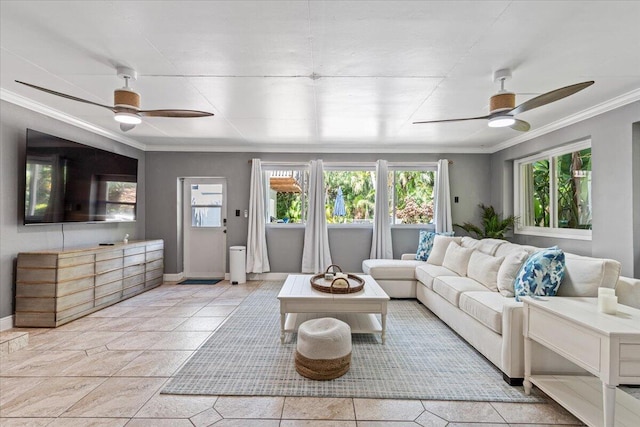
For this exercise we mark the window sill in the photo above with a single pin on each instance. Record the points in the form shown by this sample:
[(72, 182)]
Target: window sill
[(559, 233)]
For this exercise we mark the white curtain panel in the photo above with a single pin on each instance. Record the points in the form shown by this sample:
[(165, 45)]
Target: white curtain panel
[(381, 242), (257, 256), (315, 253), (443, 198)]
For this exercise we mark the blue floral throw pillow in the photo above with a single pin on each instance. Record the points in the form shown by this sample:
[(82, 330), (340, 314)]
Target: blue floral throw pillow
[(425, 244), (541, 274)]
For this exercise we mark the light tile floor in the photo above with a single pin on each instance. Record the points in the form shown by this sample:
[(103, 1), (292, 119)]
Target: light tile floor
[(107, 369)]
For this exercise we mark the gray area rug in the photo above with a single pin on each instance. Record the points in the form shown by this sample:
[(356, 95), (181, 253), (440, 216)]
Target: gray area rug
[(422, 359)]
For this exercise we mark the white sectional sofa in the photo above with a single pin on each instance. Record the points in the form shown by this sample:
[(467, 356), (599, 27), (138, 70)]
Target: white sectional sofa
[(486, 316)]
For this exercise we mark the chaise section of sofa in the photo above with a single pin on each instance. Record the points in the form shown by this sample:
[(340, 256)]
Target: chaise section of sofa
[(486, 314)]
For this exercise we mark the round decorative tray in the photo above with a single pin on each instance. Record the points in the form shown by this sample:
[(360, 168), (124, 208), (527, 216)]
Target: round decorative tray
[(334, 285)]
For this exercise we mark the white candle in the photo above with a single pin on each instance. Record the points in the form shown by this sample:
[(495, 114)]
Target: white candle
[(609, 304), (341, 276), (606, 291)]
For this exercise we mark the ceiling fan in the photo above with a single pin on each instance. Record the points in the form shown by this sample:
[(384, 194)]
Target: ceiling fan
[(127, 103), (503, 108)]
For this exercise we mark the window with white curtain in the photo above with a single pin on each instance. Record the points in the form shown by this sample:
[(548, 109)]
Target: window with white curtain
[(350, 192), (412, 194), (553, 192)]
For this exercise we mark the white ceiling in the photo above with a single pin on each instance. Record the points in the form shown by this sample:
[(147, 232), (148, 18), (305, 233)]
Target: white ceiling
[(376, 67)]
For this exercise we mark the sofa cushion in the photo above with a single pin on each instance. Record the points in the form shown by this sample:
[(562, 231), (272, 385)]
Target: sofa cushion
[(485, 307), (440, 245), (469, 242), (584, 275), (541, 274), (425, 273), (484, 269), (509, 271), (490, 246), (509, 248), (456, 258), (451, 287), (425, 243), (390, 268)]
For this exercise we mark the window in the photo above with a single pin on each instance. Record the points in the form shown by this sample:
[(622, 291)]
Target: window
[(287, 195), (553, 192), (412, 200), (350, 195), (350, 192)]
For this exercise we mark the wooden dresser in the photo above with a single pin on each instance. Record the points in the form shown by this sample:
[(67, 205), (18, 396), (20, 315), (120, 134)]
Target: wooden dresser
[(56, 287)]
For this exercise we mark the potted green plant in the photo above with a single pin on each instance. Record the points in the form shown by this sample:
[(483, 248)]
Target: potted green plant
[(493, 226)]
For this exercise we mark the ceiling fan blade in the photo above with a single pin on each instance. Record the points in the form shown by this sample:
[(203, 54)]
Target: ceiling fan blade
[(124, 127), (64, 95), (520, 125), (549, 97), (452, 120), (174, 113)]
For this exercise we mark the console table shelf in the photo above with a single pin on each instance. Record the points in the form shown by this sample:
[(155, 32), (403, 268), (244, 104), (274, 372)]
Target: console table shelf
[(583, 395), (606, 345), (56, 287)]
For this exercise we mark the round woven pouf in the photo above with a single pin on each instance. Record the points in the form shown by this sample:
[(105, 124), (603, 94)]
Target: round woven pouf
[(323, 351)]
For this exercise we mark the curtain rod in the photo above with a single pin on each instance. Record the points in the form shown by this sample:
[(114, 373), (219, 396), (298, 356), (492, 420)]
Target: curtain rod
[(297, 163)]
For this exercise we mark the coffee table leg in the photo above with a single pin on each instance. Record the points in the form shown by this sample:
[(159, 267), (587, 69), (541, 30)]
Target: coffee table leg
[(282, 319), (383, 317)]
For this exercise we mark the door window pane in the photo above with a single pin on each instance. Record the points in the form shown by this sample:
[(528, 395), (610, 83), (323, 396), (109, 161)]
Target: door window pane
[(206, 217), (206, 205)]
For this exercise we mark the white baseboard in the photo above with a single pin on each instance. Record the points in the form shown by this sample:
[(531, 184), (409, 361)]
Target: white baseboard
[(6, 323), (176, 277), (267, 276)]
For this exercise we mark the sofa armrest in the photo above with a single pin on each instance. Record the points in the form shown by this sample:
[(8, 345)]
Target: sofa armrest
[(628, 291), (512, 339), (408, 257)]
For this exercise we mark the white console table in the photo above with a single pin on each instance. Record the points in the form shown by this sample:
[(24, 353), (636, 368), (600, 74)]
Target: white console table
[(606, 345)]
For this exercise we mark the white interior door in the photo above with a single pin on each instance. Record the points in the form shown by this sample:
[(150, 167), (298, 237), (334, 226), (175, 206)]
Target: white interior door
[(205, 227)]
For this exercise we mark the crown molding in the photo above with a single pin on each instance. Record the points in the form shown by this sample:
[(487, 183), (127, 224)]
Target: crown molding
[(37, 107), (343, 148), (596, 110)]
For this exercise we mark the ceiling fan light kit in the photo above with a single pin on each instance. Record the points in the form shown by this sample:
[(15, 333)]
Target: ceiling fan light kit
[(501, 121), (128, 118)]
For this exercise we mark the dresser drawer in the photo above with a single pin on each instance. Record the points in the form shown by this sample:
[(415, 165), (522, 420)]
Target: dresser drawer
[(134, 260), (134, 250), (111, 276), (75, 272), (109, 288), (76, 260), (109, 264), (102, 256), (68, 301)]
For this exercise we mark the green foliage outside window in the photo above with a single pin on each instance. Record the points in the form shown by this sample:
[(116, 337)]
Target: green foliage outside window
[(572, 183)]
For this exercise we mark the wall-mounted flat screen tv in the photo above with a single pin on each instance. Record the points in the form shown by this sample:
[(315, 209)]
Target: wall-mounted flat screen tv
[(70, 182)]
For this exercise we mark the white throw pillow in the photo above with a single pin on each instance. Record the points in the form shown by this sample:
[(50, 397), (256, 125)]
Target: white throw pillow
[(584, 275), (456, 258), (484, 268), (440, 245), (509, 271)]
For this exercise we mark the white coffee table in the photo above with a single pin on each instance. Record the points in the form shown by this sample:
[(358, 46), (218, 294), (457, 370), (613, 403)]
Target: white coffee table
[(300, 302), (606, 345)]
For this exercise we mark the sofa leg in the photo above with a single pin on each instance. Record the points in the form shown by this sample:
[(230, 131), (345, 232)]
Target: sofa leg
[(512, 381)]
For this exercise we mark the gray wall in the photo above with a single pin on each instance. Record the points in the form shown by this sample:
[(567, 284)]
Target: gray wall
[(469, 178), (615, 165), (16, 237)]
